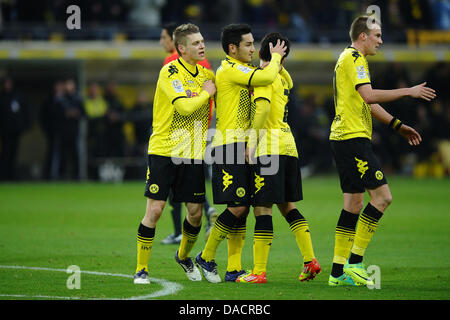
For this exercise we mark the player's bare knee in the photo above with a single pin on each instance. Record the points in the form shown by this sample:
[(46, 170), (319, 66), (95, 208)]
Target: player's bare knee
[(385, 201), (356, 207), (239, 212), (154, 211), (194, 211)]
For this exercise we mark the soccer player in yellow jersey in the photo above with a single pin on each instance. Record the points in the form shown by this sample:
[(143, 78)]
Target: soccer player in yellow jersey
[(231, 178), (176, 148), (359, 170), (276, 177)]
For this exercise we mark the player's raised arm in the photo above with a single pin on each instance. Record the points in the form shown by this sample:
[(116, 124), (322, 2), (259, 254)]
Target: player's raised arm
[(409, 133), (264, 77)]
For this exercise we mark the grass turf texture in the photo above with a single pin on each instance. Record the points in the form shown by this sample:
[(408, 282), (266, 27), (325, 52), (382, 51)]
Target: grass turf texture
[(94, 226)]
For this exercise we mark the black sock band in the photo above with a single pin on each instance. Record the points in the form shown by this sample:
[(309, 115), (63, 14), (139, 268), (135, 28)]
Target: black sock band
[(373, 213), (264, 222), (189, 228), (227, 219), (294, 215), (348, 220), (146, 232)]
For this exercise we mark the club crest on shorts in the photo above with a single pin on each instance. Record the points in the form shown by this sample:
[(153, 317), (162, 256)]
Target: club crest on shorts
[(379, 175), (240, 192), (154, 188)]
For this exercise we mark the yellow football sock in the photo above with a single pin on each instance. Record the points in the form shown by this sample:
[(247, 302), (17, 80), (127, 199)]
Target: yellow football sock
[(223, 225), (300, 229), (144, 246), (367, 225), (235, 242), (344, 235), (188, 239), (262, 242)]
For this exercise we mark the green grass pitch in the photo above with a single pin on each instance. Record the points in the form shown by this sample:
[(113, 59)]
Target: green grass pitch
[(47, 227)]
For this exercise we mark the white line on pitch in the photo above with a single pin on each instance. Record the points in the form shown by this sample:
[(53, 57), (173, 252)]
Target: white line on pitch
[(168, 286)]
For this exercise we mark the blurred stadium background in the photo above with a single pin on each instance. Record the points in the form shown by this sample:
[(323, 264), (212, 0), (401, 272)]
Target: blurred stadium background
[(112, 62)]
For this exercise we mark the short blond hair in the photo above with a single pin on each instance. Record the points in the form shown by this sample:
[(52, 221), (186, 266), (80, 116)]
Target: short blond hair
[(181, 32), (360, 25)]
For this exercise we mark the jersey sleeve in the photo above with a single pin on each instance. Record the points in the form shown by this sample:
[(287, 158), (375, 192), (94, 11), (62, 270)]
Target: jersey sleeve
[(357, 69), (170, 83), (240, 74), (262, 93)]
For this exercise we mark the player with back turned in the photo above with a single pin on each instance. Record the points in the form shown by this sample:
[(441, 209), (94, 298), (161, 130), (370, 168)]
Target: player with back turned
[(275, 144), (176, 149), (356, 102)]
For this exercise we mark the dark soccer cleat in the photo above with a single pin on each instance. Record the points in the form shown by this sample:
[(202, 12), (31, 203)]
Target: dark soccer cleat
[(233, 275)]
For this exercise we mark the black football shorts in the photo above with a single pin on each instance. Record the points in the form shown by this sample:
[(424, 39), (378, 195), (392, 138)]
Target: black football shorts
[(283, 186), (357, 165), (231, 175), (186, 180)]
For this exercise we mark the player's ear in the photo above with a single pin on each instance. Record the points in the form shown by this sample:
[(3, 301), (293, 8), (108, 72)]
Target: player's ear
[(181, 48), (232, 48), (363, 36)]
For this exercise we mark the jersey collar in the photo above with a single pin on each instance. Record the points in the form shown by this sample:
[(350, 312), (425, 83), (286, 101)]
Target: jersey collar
[(233, 60), (193, 70)]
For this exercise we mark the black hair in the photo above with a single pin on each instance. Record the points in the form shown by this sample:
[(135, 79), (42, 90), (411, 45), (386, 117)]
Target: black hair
[(264, 52), (232, 34), (170, 28)]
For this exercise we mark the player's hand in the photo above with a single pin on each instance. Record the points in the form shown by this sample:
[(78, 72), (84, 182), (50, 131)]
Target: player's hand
[(279, 48), (422, 92), (410, 134), (209, 87)]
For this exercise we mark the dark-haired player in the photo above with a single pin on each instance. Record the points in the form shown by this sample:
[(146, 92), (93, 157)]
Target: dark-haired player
[(231, 179), (276, 149)]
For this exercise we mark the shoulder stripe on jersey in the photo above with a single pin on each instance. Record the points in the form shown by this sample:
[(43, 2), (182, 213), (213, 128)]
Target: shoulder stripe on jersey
[(262, 98), (178, 98), (360, 84), (250, 80)]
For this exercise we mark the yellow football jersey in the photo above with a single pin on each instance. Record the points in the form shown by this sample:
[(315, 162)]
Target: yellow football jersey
[(176, 135), (277, 137), (353, 117), (234, 106)]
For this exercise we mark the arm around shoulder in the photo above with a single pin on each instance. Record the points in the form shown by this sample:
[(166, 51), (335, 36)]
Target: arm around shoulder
[(185, 106), (264, 77)]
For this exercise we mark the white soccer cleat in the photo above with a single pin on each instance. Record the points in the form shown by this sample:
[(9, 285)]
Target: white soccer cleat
[(141, 277), (209, 269), (192, 272)]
